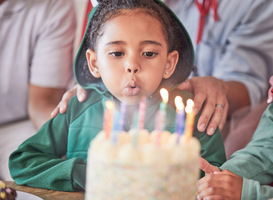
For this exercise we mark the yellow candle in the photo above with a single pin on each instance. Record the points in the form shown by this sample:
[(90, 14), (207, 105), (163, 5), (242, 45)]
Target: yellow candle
[(189, 119)]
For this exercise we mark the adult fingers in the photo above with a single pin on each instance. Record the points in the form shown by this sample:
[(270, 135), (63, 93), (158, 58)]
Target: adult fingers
[(207, 167), (81, 93), (223, 183), (62, 106), (55, 112), (219, 115), (186, 85)]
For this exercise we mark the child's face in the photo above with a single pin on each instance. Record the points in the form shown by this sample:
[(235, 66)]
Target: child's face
[(132, 56)]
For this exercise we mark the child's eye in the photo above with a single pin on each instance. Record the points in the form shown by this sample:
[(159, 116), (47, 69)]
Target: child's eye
[(116, 53), (150, 54)]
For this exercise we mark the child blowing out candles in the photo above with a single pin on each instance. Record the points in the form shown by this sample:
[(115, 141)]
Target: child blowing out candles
[(119, 61)]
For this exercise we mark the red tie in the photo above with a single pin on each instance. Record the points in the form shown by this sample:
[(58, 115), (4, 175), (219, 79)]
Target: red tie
[(204, 10), (87, 11)]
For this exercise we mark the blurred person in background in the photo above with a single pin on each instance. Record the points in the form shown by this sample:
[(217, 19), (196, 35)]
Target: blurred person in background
[(36, 41)]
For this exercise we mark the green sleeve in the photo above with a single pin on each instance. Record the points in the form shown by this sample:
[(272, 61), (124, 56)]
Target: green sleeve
[(212, 147), (39, 161), (254, 190), (255, 161)]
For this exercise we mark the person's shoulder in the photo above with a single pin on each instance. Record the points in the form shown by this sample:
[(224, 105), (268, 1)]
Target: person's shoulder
[(64, 3), (59, 7)]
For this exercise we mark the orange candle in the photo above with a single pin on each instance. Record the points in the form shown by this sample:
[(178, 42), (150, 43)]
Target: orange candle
[(108, 118), (189, 119)]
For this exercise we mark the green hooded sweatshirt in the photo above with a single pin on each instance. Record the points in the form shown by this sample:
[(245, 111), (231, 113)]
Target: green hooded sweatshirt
[(55, 157)]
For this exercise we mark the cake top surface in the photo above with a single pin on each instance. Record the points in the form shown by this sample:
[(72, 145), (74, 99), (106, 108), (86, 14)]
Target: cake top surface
[(144, 148)]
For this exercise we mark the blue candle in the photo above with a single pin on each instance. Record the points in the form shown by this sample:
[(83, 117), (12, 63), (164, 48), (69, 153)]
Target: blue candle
[(180, 116), (115, 127), (160, 123)]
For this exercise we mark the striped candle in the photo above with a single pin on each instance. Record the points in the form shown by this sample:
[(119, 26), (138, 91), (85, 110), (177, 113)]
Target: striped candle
[(189, 118), (108, 118)]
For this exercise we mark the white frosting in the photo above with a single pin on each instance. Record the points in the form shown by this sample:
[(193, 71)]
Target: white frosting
[(141, 165), (144, 148)]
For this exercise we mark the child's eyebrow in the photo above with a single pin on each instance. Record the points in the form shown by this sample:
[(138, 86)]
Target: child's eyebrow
[(151, 42), (115, 42), (144, 42)]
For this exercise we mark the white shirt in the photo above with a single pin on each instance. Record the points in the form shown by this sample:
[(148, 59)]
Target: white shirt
[(239, 46), (36, 43)]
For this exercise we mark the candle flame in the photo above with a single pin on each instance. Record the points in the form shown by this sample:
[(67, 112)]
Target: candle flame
[(179, 103), (109, 105), (164, 94), (189, 106)]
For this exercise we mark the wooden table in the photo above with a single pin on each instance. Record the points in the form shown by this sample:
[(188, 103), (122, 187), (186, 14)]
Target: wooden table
[(46, 194)]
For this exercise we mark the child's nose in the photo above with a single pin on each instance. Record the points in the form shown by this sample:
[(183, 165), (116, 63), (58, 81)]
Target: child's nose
[(133, 67)]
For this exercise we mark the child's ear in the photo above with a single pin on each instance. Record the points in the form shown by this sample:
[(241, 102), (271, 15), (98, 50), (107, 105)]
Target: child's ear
[(171, 64), (91, 57)]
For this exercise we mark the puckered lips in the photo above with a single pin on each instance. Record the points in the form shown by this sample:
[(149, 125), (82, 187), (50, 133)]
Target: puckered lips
[(132, 88)]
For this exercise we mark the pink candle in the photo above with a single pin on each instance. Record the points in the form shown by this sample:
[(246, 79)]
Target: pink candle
[(108, 118), (189, 118), (141, 114)]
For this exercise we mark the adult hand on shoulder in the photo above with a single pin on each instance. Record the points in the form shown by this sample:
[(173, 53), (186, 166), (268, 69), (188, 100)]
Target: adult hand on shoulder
[(209, 92), (62, 106), (218, 184)]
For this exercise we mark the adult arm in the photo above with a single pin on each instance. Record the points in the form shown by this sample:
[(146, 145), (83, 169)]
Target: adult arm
[(41, 101), (51, 64)]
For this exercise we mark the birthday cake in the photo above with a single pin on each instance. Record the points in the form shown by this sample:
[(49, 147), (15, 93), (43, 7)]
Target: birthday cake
[(142, 165)]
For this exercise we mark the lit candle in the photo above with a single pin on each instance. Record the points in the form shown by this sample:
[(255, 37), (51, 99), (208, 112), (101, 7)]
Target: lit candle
[(122, 116), (161, 114), (134, 131), (115, 127), (160, 124), (141, 114), (189, 118), (180, 115), (108, 118)]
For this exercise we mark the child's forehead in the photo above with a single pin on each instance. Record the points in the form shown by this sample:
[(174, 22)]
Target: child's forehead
[(134, 12), (137, 19), (137, 27), (139, 13)]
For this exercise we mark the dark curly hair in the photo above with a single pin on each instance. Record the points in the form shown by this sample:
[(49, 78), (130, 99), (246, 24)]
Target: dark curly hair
[(174, 32)]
